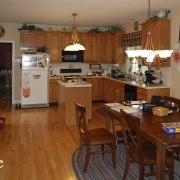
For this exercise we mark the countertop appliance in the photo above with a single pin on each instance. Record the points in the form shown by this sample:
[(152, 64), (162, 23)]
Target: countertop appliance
[(34, 86), (73, 56)]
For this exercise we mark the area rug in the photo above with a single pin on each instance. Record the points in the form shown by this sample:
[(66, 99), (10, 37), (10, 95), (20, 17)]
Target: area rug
[(101, 168)]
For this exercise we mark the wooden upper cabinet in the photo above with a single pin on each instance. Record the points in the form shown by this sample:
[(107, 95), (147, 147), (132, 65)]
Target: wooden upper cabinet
[(160, 38), (160, 34), (66, 39), (103, 47), (117, 52), (26, 40), (55, 47), (35, 39), (90, 44), (40, 39)]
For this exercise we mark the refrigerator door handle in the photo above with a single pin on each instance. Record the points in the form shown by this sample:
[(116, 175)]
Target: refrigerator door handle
[(36, 76)]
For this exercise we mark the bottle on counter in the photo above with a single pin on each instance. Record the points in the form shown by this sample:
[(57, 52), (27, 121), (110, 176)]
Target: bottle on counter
[(50, 71)]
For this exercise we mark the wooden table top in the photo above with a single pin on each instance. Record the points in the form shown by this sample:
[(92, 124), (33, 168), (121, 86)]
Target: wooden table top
[(151, 126)]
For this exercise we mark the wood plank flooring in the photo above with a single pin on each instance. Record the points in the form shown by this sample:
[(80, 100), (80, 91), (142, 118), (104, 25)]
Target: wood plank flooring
[(35, 145)]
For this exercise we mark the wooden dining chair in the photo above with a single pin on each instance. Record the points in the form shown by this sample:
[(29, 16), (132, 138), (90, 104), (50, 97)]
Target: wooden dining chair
[(169, 99), (139, 151), (98, 136)]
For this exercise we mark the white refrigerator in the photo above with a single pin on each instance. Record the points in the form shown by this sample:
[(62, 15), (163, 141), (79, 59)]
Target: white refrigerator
[(35, 84)]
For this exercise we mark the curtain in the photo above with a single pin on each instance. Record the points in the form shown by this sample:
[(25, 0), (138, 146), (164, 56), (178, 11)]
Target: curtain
[(132, 39)]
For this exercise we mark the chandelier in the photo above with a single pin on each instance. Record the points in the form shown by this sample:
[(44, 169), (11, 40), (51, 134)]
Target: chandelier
[(149, 56), (74, 45)]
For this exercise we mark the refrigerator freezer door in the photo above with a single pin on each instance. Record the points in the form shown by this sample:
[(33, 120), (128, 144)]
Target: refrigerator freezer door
[(34, 89)]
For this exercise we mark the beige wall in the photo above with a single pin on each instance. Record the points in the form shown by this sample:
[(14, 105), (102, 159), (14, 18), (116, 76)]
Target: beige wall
[(175, 67), (12, 34)]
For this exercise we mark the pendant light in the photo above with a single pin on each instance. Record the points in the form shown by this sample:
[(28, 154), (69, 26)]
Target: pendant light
[(74, 46), (149, 55)]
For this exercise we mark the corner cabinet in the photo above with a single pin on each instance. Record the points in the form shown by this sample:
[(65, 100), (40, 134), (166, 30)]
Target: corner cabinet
[(160, 37), (114, 90), (117, 52)]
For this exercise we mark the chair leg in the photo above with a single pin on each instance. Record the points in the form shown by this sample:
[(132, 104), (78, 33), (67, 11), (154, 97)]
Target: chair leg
[(128, 160), (87, 158), (114, 154), (102, 149), (141, 171), (171, 169), (80, 148)]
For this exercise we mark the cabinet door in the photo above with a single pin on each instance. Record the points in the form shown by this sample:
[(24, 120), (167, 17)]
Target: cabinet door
[(54, 46), (103, 45), (160, 34), (66, 39), (98, 88), (141, 94), (90, 54), (40, 39), (26, 40), (108, 90), (118, 91), (117, 52), (53, 91)]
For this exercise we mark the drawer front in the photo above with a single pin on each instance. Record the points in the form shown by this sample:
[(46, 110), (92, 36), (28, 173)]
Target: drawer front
[(141, 91)]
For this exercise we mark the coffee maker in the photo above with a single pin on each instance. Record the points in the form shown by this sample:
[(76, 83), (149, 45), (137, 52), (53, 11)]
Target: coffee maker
[(149, 76)]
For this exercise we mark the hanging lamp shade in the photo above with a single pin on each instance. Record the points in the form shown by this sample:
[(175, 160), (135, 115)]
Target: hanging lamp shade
[(74, 44), (149, 55)]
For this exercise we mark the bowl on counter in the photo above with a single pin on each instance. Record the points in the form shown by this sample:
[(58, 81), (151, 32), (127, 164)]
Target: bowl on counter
[(156, 81)]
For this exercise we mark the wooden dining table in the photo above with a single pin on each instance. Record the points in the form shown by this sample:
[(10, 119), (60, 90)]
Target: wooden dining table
[(151, 129)]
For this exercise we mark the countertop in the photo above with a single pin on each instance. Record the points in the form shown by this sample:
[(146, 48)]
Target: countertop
[(75, 84), (133, 83)]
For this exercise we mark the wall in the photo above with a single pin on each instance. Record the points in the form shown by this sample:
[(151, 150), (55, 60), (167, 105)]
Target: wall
[(175, 67)]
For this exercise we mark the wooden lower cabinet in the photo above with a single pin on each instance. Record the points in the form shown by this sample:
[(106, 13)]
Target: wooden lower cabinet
[(97, 88), (113, 90), (146, 94), (53, 90)]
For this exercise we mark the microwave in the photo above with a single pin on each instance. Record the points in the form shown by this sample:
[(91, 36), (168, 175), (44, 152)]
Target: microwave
[(72, 56)]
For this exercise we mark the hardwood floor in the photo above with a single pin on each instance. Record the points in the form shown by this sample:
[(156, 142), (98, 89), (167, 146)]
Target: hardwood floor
[(35, 145)]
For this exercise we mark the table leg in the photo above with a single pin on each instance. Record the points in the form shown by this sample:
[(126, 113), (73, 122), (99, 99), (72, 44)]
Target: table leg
[(108, 120), (161, 160)]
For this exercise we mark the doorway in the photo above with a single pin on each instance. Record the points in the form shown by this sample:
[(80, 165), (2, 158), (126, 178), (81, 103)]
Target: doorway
[(6, 54)]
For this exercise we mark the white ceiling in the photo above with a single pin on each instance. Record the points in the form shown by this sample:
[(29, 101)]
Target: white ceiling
[(90, 13)]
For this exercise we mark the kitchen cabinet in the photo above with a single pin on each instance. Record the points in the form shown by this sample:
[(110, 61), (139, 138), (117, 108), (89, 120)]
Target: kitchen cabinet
[(66, 39), (26, 40), (114, 90), (53, 90), (31, 40), (90, 44), (117, 52), (103, 47), (160, 37), (40, 39), (97, 87), (55, 47), (146, 94)]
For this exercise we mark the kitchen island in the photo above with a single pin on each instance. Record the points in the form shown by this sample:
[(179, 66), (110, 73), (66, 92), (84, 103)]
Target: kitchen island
[(70, 93)]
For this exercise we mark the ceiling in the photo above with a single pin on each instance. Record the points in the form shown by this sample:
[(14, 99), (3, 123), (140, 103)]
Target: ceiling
[(90, 13)]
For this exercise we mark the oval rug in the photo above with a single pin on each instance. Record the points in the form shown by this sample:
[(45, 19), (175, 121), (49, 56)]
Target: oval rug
[(101, 167)]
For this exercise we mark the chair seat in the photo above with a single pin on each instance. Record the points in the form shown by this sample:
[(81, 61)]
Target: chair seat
[(100, 134)]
